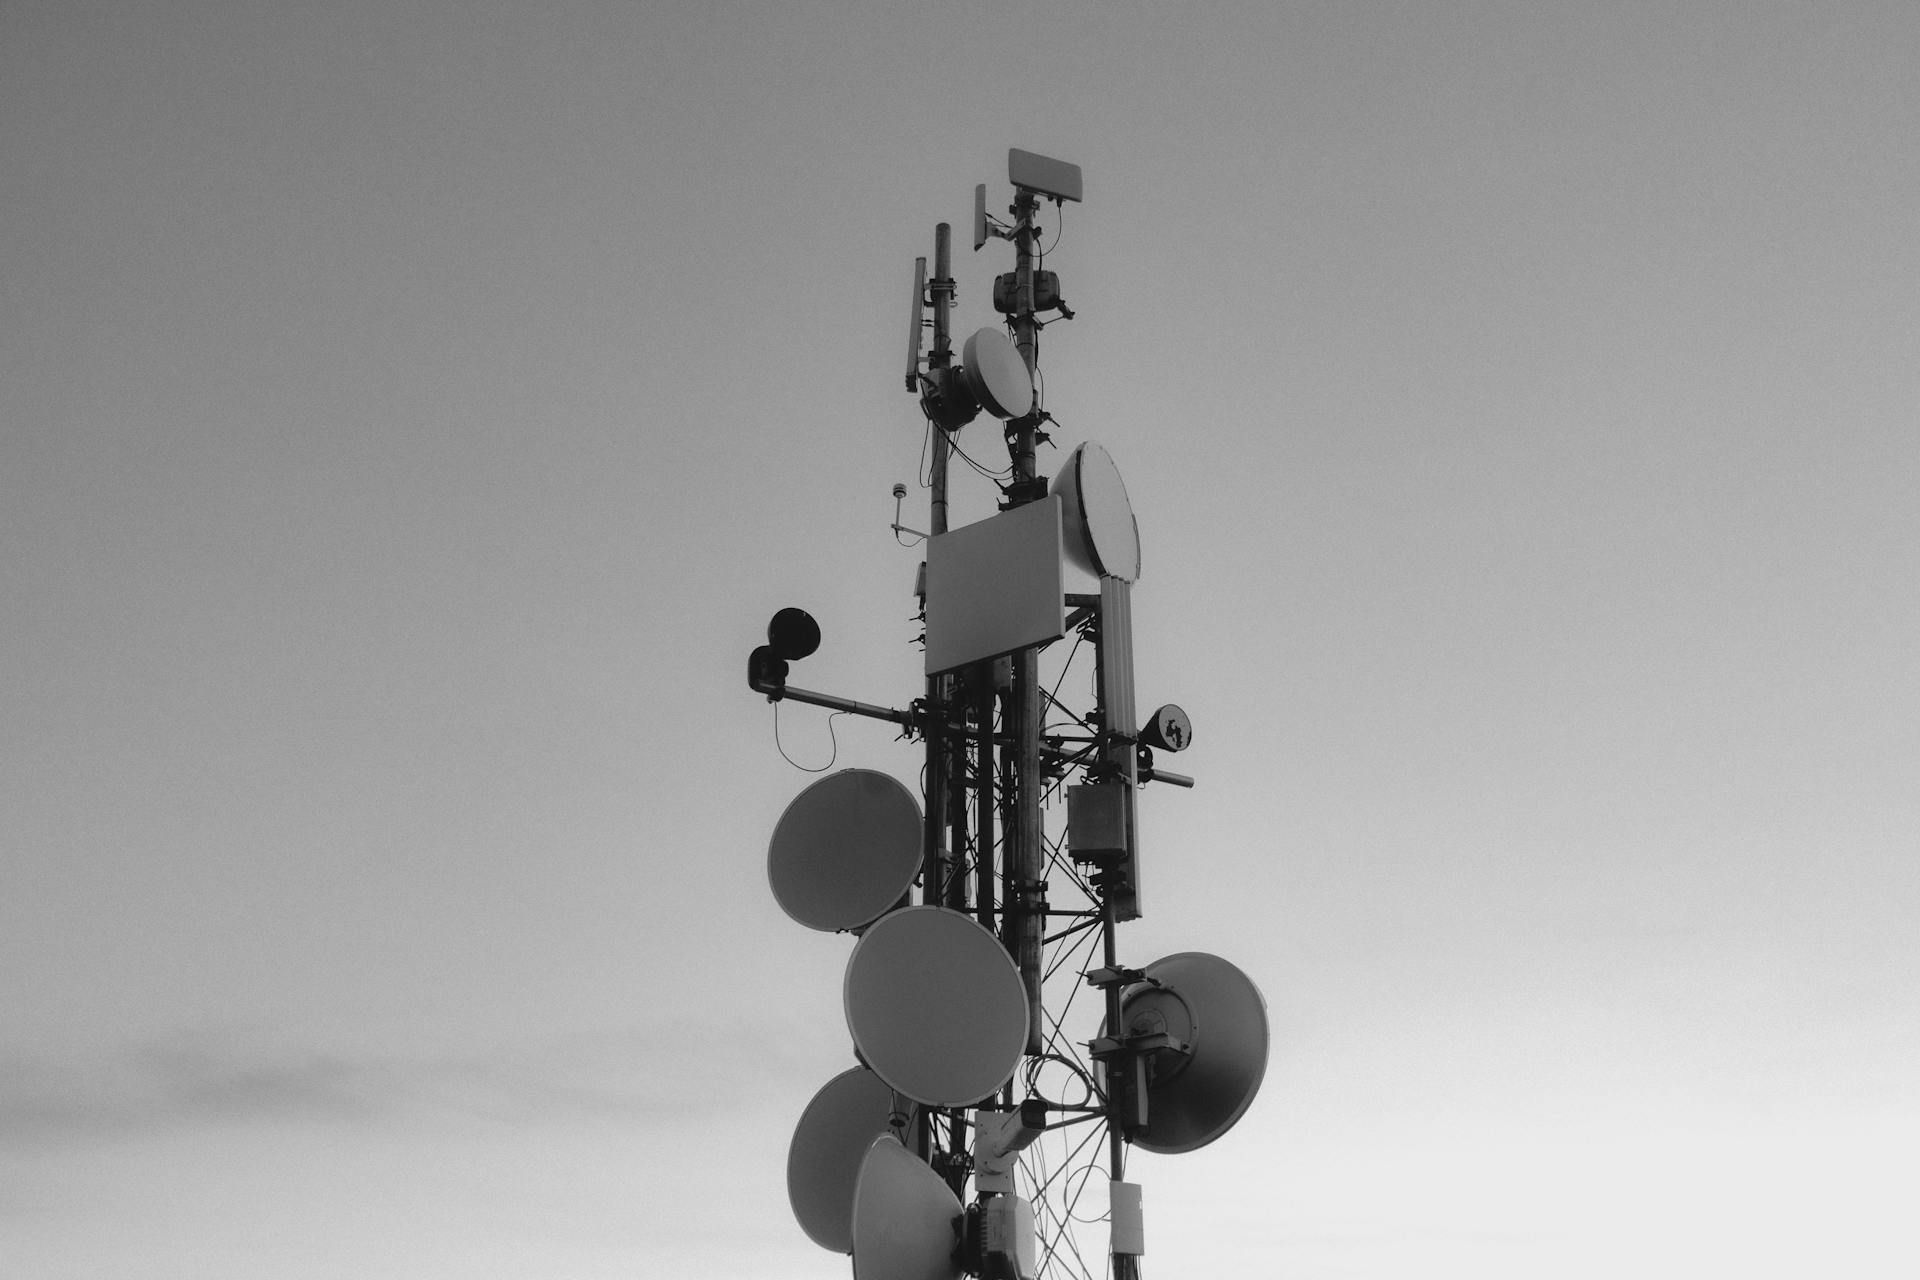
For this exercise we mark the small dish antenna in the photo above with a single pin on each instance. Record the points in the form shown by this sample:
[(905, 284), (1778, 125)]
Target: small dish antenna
[(1218, 1018), (823, 1160), (792, 634), (1102, 536), (1170, 729), (936, 1006), (845, 851), (991, 375), (907, 1223)]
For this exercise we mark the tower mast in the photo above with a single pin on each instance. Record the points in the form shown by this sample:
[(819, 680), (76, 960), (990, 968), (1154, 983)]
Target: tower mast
[(946, 823), (945, 1001), (1024, 877)]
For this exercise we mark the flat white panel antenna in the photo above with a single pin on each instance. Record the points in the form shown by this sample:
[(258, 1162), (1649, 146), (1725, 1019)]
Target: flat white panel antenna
[(994, 586), (1049, 177), (915, 322)]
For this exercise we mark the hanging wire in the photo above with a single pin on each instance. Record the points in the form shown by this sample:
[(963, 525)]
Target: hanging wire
[(1081, 953), (1038, 1063), (1033, 1166), (995, 476), (1079, 937), (1042, 1178), (1084, 1174), (831, 737), (925, 475), (1079, 638), (1069, 869)]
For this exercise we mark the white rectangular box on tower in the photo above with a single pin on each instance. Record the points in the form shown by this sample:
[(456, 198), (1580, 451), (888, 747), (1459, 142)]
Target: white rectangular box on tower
[(995, 586)]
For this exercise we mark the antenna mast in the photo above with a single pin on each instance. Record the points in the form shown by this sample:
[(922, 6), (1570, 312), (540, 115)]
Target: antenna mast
[(946, 1001), (1025, 876), (946, 826)]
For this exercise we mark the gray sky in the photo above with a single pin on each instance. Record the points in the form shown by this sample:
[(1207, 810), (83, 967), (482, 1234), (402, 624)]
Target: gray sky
[(413, 411)]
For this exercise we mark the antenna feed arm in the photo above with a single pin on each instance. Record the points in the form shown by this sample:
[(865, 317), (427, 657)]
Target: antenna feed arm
[(1115, 976), (832, 702), (1144, 770)]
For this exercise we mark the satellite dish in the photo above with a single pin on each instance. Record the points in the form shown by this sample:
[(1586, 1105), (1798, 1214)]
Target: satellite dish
[(936, 1006), (1215, 1010), (1101, 534), (906, 1220), (993, 371), (846, 849), (823, 1160), (992, 375)]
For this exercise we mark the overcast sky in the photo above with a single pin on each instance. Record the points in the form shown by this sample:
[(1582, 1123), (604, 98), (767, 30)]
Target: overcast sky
[(413, 412)]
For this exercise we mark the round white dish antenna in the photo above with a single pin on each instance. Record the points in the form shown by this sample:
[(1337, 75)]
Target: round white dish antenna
[(1211, 1007), (906, 1221), (1101, 534), (846, 849), (936, 1006), (823, 1160), (993, 371)]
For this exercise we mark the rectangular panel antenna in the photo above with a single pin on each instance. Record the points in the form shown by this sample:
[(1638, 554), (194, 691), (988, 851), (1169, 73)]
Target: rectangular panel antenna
[(914, 323), (979, 215), (994, 586), (1054, 178)]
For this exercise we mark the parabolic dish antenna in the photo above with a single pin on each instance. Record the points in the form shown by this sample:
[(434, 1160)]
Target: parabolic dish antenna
[(846, 850), (936, 1006), (1212, 1007), (906, 1221), (996, 374), (823, 1160), (1101, 534)]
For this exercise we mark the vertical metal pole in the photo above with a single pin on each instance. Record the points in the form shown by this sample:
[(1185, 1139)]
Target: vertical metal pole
[(938, 857), (980, 687), (1113, 678), (1120, 721), (1119, 1083), (1026, 851), (941, 884), (940, 358)]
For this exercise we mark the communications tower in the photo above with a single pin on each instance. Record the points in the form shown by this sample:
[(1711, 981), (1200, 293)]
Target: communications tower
[(1007, 1059)]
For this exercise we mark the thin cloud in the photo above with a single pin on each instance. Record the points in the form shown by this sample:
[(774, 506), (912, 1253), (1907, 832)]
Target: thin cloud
[(636, 1074), (180, 1080)]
